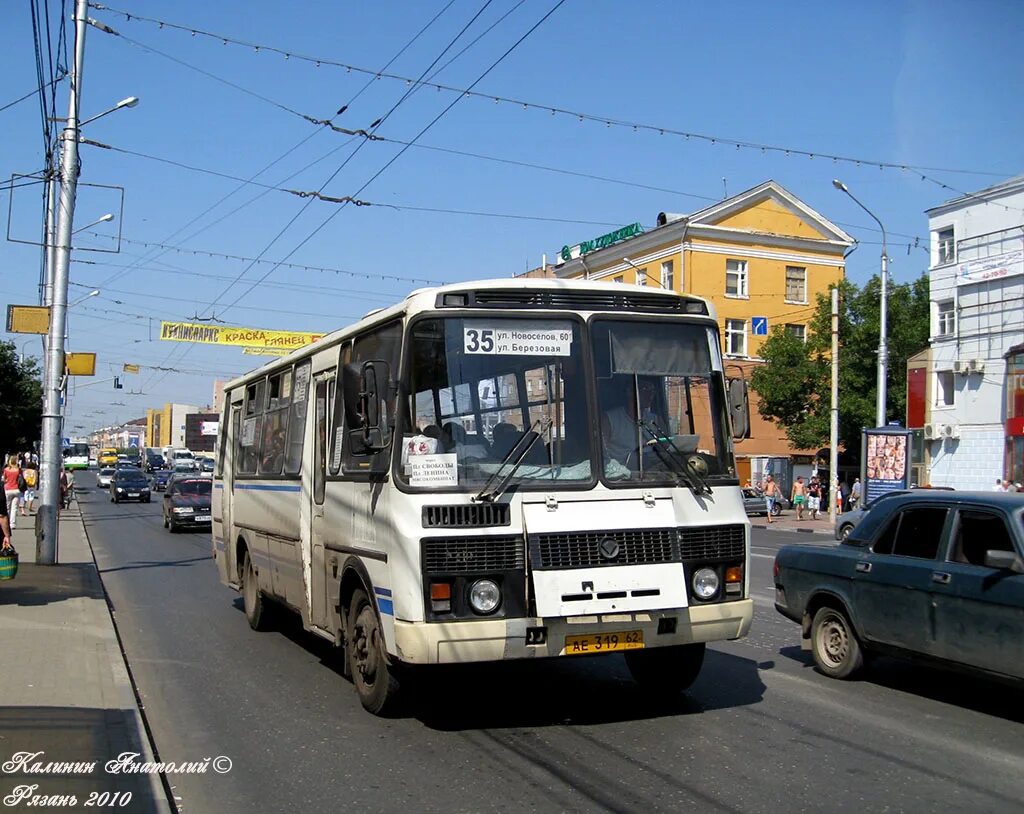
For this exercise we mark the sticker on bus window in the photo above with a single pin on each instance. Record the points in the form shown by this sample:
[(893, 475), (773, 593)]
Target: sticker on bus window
[(248, 432), (433, 470), (519, 338)]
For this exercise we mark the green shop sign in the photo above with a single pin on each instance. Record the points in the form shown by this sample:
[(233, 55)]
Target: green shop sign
[(587, 246)]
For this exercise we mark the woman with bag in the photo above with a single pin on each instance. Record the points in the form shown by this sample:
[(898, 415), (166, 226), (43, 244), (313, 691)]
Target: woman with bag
[(8, 556), (12, 489)]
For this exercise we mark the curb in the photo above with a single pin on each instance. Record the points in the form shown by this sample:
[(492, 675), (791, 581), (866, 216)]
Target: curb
[(773, 527)]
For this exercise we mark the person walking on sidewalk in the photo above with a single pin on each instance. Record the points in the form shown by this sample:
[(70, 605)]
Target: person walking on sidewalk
[(771, 493), (799, 497), (855, 494), (813, 498), (5, 527), (12, 492), (31, 474)]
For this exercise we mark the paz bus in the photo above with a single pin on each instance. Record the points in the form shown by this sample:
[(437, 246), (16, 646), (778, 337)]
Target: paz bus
[(506, 469)]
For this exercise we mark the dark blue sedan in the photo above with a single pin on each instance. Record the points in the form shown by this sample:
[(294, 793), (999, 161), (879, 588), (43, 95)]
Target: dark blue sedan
[(932, 575), (160, 477)]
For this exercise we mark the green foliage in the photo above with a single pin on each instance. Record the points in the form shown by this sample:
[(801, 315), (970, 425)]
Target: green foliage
[(793, 385), (21, 400)]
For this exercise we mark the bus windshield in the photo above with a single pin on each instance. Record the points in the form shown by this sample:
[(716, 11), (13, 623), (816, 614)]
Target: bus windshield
[(660, 394), (477, 385)]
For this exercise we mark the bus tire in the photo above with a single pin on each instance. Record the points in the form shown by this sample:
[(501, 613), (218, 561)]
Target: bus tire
[(666, 670), (372, 676), (257, 612)]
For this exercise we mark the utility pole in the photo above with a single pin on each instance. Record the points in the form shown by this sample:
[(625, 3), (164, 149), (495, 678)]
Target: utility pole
[(50, 446), (833, 423)]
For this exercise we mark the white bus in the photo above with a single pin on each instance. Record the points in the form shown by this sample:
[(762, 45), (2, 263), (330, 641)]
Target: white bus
[(493, 470), (76, 455)]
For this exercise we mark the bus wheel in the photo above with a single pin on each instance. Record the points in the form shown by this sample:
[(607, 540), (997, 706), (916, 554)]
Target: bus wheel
[(666, 670), (256, 610), (373, 678)]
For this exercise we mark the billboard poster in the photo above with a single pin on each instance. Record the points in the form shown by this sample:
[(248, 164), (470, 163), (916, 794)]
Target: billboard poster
[(885, 459), (209, 427)]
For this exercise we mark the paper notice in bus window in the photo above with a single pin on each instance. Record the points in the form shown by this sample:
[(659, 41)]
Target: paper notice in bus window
[(339, 437), (301, 382), (248, 432), (433, 470), (519, 338)]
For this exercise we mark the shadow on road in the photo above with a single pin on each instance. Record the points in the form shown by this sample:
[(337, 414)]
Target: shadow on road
[(44, 584), (582, 690), (947, 686), (157, 564)]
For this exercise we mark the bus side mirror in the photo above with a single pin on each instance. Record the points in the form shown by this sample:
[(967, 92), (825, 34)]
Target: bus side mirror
[(365, 393), (739, 408)]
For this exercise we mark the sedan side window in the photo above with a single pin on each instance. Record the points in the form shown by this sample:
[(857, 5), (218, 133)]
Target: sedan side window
[(976, 533), (914, 533)]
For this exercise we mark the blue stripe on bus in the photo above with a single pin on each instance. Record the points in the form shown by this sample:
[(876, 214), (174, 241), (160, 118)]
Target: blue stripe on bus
[(268, 487), (386, 606), (218, 486), (381, 591)]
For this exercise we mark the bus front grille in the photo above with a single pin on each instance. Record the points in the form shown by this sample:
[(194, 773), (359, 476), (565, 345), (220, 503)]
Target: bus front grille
[(712, 542), (463, 555), (475, 515), (584, 549)]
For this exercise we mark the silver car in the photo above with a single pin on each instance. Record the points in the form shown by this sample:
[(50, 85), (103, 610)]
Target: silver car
[(754, 503), (103, 477)]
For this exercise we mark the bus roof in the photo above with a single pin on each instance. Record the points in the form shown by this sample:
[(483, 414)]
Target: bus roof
[(515, 293)]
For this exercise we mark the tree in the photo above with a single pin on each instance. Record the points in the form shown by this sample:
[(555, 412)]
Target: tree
[(793, 386), (21, 400)]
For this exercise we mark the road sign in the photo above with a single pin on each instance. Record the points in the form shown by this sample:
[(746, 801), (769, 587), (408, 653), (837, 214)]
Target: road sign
[(759, 326), (133, 443)]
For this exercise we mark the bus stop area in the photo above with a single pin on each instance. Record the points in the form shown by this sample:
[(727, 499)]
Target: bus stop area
[(66, 692)]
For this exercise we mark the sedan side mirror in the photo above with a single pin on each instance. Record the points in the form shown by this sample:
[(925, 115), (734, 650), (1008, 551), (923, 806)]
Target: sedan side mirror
[(1005, 561)]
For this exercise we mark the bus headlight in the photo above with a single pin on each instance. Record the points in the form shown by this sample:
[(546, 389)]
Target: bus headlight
[(705, 583), (485, 596)]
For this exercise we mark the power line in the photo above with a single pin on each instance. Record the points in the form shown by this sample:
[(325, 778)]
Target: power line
[(32, 93), (607, 121)]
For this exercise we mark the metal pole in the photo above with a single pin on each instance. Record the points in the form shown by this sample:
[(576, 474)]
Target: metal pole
[(833, 424), (883, 341), (50, 463)]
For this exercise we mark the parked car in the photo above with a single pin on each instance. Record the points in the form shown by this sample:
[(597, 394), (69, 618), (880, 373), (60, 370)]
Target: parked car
[(187, 503), (755, 505), (847, 521), (935, 575), (103, 477), (129, 484), (160, 478)]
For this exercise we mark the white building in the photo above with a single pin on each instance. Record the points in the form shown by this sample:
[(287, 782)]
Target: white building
[(977, 300)]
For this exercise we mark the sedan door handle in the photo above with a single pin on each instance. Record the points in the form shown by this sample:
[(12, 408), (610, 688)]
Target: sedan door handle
[(864, 567), (941, 577)]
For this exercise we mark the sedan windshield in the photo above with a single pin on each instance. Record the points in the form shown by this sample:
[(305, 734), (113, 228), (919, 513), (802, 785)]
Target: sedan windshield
[(194, 487), (477, 386)]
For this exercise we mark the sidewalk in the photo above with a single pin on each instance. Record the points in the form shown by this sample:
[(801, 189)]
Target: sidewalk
[(787, 522), (64, 687)]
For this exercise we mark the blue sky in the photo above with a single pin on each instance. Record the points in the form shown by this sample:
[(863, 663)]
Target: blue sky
[(934, 84)]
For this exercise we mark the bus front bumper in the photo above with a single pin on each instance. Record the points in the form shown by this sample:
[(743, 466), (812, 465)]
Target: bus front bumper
[(500, 639)]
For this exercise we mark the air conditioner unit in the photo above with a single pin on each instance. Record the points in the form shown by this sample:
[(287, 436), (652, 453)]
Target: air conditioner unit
[(950, 431), (932, 431), (976, 366), (959, 366)]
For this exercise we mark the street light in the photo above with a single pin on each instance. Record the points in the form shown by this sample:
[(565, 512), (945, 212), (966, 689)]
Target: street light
[(94, 293), (131, 101), (103, 219), (883, 346)]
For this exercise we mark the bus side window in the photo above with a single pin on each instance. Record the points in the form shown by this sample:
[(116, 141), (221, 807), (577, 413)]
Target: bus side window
[(248, 451), (322, 403), (384, 344), (297, 420), (337, 440)]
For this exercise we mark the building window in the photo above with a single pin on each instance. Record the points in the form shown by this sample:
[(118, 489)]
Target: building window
[(736, 337), (641, 276), (799, 331), (946, 319), (944, 392), (619, 279), (668, 276), (736, 278), (945, 247), (796, 284)]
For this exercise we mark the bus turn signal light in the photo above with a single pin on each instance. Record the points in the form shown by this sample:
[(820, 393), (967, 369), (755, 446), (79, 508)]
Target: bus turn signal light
[(441, 597), (734, 574)]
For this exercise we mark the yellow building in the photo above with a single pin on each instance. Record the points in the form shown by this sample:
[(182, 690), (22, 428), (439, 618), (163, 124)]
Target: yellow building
[(761, 257)]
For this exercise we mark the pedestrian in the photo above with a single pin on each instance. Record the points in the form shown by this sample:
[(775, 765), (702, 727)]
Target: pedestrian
[(31, 474), (771, 494), (813, 498), (843, 498), (855, 494), (799, 497), (12, 492), (999, 487), (5, 528)]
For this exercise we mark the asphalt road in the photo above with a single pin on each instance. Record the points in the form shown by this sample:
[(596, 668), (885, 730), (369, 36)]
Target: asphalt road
[(759, 731)]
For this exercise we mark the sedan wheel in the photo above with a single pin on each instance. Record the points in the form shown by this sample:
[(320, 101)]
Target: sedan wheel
[(834, 644)]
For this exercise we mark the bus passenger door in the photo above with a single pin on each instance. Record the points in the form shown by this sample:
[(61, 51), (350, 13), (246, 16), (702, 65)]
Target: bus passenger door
[(223, 534), (318, 578)]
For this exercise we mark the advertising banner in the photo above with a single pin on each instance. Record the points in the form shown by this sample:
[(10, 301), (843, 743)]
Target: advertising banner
[(229, 335), (985, 269), (885, 458), (209, 427)]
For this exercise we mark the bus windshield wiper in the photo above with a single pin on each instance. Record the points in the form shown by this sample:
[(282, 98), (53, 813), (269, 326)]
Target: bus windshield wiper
[(513, 460), (675, 459)]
